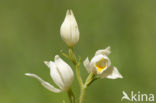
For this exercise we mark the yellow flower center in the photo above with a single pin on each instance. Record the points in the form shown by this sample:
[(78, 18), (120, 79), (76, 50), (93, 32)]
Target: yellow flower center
[(101, 65)]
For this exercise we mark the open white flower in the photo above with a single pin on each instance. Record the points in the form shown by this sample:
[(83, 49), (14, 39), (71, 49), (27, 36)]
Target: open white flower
[(100, 65), (60, 72), (69, 29)]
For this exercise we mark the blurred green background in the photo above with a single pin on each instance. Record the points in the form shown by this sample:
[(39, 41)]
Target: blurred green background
[(29, 34)]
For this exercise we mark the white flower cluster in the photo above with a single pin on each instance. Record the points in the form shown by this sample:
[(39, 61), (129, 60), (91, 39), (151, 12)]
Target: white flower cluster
[(62, 74)]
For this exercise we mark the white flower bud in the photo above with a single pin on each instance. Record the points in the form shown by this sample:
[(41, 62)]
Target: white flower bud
[(69, 29), (60, 72)]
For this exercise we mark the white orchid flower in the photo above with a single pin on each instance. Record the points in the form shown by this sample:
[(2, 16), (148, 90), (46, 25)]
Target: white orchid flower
[(69, 29), (100, 65), (60, 72)]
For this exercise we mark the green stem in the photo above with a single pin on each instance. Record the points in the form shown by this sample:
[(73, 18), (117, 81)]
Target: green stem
[(64, 54), (77, 64), (71, 96), (79, 76), (72, 56), (82, 95), (88, 80), (83, 89)]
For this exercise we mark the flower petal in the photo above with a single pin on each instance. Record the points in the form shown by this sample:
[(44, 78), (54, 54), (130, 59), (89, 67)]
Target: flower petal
[(87, 65), (55, 75), (65, 72), (106, 51), (111, 73), (96, 59), (44, 83)]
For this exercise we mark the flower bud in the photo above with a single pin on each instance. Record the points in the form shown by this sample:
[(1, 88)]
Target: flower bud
[(69, 29), (60, 72)]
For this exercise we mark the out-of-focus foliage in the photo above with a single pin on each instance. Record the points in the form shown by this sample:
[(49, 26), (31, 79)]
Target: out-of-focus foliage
[(29, 34)]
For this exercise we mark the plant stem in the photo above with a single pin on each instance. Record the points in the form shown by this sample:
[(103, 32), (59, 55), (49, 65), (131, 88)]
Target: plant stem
[(82, 95), (79, 76), (77, 64), (71, 96), (88, 80), (83, 89)]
